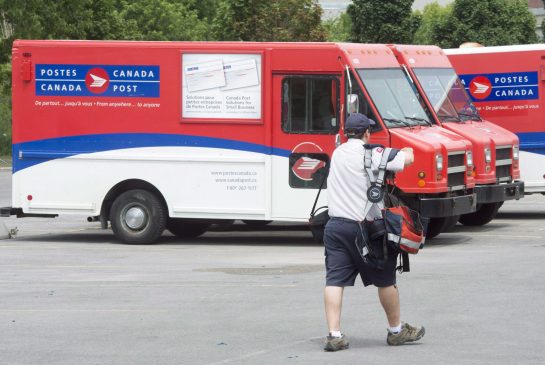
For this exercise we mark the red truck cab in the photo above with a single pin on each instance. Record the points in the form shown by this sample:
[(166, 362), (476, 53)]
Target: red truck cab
[(440, 183), (496, 171)]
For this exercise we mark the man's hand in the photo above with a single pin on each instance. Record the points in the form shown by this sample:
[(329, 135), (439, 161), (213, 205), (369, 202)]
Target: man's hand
[(409, 155)]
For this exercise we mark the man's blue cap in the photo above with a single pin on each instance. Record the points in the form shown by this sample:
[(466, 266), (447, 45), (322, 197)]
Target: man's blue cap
[(358, 121)]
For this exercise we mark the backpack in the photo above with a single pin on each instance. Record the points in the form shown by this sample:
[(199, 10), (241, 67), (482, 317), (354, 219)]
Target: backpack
[(403, 229)]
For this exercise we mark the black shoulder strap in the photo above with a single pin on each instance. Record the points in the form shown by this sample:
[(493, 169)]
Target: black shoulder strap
[(318, 195)]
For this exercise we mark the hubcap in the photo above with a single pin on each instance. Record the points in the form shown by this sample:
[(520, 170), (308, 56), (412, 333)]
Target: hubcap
[(135, 218)]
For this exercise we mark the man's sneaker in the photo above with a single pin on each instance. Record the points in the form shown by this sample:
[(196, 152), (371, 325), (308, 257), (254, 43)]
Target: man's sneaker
[(408, 333), (336, 343)]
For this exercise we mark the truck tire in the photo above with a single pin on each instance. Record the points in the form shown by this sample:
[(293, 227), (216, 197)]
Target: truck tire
[(138, 217), (450, 223), (435, 226), (482, 216), (442, 224), (252, 223), (186, 228)]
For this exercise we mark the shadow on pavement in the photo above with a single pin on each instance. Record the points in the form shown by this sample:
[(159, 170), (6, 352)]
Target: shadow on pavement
[(448, 239), (291, 237), (521, 215)]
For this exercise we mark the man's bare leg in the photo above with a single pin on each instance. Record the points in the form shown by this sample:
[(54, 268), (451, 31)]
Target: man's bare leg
[(389, 298), (333, 300)]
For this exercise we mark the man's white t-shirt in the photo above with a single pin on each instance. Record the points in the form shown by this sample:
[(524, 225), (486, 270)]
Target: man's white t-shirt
[(348, 181)]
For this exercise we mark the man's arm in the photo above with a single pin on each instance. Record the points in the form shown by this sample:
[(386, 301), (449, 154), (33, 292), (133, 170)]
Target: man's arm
[(409, 155)]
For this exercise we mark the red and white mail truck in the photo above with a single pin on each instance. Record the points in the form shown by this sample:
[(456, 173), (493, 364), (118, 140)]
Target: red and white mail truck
[(495, 149), (177, 135), (507, 86)]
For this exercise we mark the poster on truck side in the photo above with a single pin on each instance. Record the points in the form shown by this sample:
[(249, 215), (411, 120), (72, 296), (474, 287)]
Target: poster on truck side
[(221, 86)]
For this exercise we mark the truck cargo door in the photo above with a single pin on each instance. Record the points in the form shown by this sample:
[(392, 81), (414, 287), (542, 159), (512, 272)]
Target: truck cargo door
[(305, 125)]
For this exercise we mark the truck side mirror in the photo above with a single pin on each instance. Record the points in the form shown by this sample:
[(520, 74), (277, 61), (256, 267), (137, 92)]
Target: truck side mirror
[(353, 103)]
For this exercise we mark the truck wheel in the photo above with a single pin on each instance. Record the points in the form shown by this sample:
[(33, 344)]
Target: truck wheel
[(186, 228), (482, 216), (252, 223), (450, 223), (435, 226), (138, 217)]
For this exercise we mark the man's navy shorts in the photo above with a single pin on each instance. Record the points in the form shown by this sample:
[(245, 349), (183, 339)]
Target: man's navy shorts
[(343, 262)]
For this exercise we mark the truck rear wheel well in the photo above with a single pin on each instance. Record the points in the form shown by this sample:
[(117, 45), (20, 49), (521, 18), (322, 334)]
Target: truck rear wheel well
[(123, 186)]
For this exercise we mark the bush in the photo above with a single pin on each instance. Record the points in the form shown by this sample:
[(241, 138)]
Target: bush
[(5, 109)]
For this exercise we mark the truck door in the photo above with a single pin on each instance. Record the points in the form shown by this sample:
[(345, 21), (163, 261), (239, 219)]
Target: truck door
[(305, 128)]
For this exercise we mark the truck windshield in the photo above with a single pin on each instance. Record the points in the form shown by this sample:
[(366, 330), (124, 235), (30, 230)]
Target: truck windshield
[(447, 94), (394, 97)]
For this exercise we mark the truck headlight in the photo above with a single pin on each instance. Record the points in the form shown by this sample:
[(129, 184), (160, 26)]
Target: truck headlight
[(487, 155), (439, 163), (515, 152), (469, 158)]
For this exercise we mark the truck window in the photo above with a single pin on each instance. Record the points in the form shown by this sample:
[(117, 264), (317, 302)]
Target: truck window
[(394, 97), (363, 105), (310, 104), (446, 93)]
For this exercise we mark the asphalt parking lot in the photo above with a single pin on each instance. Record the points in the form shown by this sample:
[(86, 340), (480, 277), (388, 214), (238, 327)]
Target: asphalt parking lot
[(71, 294)]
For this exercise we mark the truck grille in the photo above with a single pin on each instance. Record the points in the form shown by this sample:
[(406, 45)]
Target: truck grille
[(456, 170), (503, 163), (503, 152), (456, 179), (503, 173), (456, 160)]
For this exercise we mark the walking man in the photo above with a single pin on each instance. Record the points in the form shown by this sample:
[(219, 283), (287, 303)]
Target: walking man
[(347, 198)]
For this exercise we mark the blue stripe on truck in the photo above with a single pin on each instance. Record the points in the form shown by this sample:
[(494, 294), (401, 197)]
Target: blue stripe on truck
[(28, 154), (533, 142)]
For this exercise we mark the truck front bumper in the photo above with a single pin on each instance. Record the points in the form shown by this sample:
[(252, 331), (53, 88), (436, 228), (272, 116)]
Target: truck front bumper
[(449, 206), (499, 192)]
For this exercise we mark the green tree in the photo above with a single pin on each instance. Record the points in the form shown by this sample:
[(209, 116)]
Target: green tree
[(264, 20), (5, 109), (339, 29), (543, 26), (383, 21), (162, 20), (433, 17), (488, 22)]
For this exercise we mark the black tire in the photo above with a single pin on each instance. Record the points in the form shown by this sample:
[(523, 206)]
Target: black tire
[(256, 223), (435, 226), (138, 217), (186, 228), (482, 216), (450, 223), (442, 224)]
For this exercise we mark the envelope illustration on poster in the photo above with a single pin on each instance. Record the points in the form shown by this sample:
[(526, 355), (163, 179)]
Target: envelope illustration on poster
[(239, 74), (204, 75)]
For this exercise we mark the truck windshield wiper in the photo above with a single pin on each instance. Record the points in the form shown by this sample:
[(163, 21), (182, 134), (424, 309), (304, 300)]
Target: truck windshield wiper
[(449, 117), (427, 122), (474, 115), (397, 121)]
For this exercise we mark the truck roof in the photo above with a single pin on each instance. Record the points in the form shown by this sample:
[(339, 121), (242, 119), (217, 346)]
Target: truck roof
[(422, 56), (496, 49), (359, 54)]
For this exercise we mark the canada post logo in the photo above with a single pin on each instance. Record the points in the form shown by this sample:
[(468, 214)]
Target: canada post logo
[(97, 80), (305, 167), (502, 86)]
